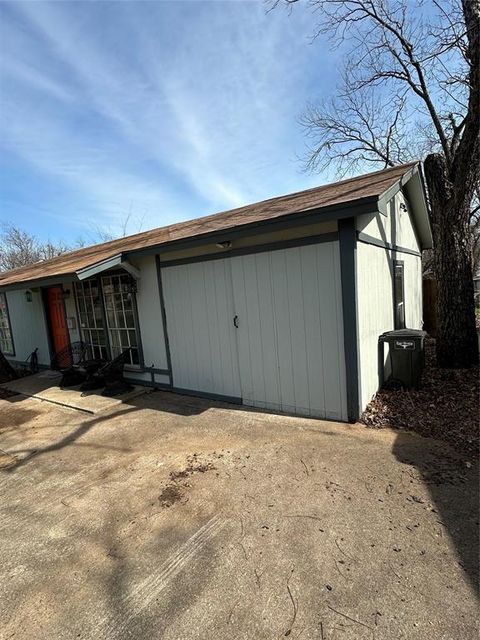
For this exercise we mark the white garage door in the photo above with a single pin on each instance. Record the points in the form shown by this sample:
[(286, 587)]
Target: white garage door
[(286, 352)]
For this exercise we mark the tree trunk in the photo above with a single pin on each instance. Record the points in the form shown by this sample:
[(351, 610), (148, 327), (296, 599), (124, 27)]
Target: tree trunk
[(457, 342)]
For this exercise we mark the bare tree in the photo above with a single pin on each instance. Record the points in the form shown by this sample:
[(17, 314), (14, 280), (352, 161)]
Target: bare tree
[(19, 248), (410, 88)]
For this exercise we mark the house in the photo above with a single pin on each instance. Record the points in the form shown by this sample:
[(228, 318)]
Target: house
[(277, 305)]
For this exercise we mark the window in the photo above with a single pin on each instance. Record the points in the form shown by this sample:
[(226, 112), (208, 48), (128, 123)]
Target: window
[(119, 307), (6, 340), (399, 294), (91, 317)]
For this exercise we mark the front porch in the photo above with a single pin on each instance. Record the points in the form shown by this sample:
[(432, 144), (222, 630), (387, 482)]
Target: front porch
[(44, 386)]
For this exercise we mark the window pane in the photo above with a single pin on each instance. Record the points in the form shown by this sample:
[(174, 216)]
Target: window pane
[(119, 303), (90, 313), (6, 342)]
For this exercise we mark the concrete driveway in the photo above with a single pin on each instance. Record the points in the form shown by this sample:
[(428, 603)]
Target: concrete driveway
[(179, 519)]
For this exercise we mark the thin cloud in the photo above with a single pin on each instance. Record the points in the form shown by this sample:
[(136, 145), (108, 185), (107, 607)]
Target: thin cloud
[(172, 109)]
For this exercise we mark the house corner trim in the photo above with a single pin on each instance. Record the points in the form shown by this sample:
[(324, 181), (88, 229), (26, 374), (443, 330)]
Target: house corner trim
[(348, 246)]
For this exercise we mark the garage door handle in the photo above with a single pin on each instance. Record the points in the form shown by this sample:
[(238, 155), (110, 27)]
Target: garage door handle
[(235, 322)]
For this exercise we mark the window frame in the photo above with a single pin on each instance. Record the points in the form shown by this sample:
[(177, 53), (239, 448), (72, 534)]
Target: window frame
[(106, 328), (3, 296), (86, 332), (118, 330), (399, 321)]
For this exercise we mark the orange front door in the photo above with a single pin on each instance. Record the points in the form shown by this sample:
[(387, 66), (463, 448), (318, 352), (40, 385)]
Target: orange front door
[(58, 322)]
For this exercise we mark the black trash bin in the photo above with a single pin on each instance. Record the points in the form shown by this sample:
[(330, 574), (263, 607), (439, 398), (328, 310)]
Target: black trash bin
[(406, 357)]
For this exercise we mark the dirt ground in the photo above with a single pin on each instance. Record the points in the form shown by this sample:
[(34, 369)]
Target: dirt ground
[(179, 519)]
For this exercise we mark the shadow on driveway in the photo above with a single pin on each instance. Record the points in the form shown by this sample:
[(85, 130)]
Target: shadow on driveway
[(68, 439), (454, 490)]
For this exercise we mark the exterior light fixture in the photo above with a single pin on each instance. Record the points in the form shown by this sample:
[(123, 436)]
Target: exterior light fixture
[(66, 294), (28, 295), (226, 244)]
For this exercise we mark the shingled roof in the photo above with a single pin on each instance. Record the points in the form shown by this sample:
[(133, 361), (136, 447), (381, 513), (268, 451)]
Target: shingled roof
[(352, 190)]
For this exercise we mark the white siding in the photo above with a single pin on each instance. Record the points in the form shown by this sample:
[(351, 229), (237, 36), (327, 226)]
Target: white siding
[(287, 352), (375, 288), (150, 315), (200, 312), (28, 325), (396, 227), (375, 313), (413, 290), (404, 230), (290, 335), (376, 225)]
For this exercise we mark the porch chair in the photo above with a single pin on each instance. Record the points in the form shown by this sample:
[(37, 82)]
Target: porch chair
[(110, 376), (75, 364), (66, 361)]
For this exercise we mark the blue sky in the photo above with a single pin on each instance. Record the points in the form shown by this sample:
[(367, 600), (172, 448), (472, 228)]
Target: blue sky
[(162, 111)]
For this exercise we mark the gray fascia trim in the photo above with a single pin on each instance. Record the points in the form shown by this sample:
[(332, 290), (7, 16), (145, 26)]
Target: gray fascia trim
[(164, 318), (392, 191), (366, 239), (98, 267), (39, 282), (348, 240), (410, 216), (416, 190), (133, 271), (259, 248), (386, 196), (301, 218)]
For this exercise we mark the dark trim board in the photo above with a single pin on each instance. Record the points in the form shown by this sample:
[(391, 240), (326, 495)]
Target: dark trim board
[(258, 248), (376, 242), (164, 318), (348, 241), (31, 285)]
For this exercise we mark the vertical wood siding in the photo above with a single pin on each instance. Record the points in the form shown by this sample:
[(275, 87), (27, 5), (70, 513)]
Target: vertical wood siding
[(287, 352), (375, 288), (150, 315), (199, 308), (290, 335), (375, 313)]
